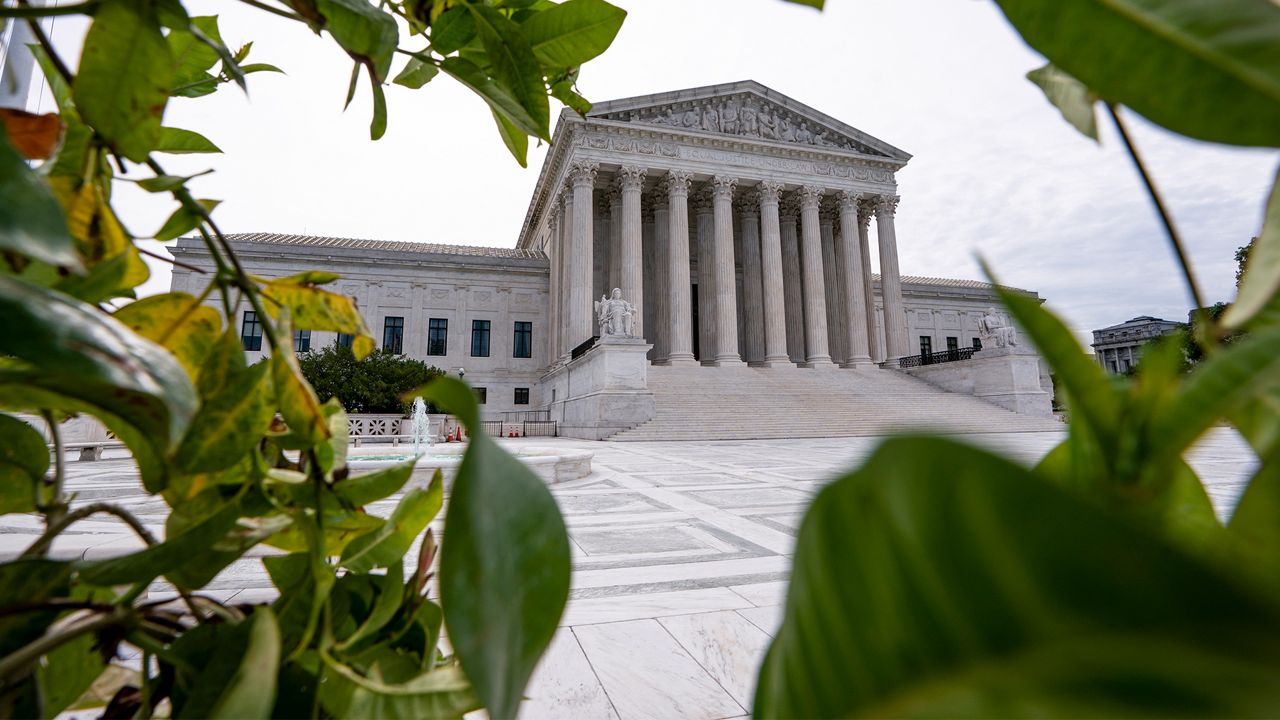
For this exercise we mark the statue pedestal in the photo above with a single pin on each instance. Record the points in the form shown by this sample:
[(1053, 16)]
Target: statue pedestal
[(604, 391), (1008, 377)]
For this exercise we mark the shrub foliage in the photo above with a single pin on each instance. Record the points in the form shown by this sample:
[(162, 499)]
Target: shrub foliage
[(378, 383)]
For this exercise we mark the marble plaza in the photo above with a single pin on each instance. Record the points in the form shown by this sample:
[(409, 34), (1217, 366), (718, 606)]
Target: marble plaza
[(681, 555)]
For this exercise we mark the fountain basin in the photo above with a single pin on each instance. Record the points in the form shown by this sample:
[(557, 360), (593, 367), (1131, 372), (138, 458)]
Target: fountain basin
[(551, 464)]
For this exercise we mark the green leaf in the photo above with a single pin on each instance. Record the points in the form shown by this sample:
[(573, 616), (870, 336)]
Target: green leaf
[(391, 594), (177, 141), (1254, 528), (80, 353), (504, 573), (167, 183), (31, 220), (229, 424), (498, 97), (24, 459), (260, 67), (1205, 69), (69, 671), (239, 664), (1070, 96), (298, 403), (1224, 382), (368, 34), (515, 140), (940, 580), (388, 544), (1261, 282), (192, 57), (333, 454), (564, 92), (156, 560), (440, 693), (24, 581), (1094, 404), (312, 308), (573, 32), (454, 29), (224, 359), (378, 126), (416, 74), (514, 65), (124, 78), (183, 220), (364, 489), (177, 322)]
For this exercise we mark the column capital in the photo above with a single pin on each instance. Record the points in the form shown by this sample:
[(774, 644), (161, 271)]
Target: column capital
[(678, 182), (702, 201), (789, 206), (613, 197), (810, 196), (661, 195), (768, 191), (886, 205), (849, 199), (749, 205), (631, 177), (724, 185), (583, 173), (866, 208)]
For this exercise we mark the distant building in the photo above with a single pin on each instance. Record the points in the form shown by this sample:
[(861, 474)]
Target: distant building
[(1118, 348)]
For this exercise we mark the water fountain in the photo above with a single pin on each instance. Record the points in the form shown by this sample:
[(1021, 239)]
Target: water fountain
[(419, 422), (551, 464)]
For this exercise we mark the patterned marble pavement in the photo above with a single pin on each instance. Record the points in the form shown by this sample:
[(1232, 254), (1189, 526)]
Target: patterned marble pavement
[(681, 553)]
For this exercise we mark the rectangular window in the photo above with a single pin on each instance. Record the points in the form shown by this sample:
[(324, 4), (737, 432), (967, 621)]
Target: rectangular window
[(438, 336), (953, 344), (301, 340), (251, 331), (977, 343), (522, 396), (926, 345), (479, 338), (345, 340), (393, 335), (523, 345), (482, 395)]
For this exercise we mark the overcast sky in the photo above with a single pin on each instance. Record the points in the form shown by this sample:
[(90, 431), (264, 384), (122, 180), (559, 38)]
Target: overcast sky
[(996, 171)]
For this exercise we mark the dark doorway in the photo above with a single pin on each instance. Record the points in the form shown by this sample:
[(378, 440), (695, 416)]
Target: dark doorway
[(693, 293)]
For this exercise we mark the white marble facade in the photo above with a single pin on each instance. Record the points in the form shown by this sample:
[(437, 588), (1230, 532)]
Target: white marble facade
[(780, 206)]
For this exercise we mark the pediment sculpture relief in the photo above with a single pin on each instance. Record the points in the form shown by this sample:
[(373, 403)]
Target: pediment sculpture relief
[(746, 116)]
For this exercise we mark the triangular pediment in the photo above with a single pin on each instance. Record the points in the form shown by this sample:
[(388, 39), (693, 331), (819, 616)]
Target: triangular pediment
[(749, 110)]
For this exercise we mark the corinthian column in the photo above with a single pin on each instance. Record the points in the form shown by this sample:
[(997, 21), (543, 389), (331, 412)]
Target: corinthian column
[(792, 278), (726, 273), (831, 283), (866, 208), (752, 293), (705, 232), (661, 295), (630, 279), (681, 308), (895, 318), (555, 255), (815, 305), (613, 274), (582, 177), (772, 286), (855, 296), (567, 269)]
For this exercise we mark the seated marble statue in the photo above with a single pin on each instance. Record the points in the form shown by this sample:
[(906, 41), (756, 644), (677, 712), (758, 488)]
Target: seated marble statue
[(616, 316), (993, 330)]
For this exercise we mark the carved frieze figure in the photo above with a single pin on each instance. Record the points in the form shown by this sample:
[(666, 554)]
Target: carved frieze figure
[(785, 131), (993, 330), (710, 119), (804, 134), (750, 121), (729, 118), (689, 119), (615, 315), (768, 124)]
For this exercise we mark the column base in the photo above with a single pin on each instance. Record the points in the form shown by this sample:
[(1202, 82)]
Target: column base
[(861, 362), (682, 361), (730, 361), (822, 362), (778, 362)]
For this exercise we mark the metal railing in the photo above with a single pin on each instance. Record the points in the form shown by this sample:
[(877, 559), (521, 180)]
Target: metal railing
[(519, 416), (938, 357), (540, 428)]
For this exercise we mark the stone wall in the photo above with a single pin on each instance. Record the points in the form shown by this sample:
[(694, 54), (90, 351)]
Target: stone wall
[(1007, 377)]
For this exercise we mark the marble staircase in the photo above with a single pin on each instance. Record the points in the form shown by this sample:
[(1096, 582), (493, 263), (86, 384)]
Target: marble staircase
[(703, 403)]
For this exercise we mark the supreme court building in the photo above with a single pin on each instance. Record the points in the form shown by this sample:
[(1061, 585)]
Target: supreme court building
[(738, 221)]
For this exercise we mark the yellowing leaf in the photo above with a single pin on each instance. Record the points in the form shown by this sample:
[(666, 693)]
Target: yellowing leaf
[(176, 321), (314, 309)]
